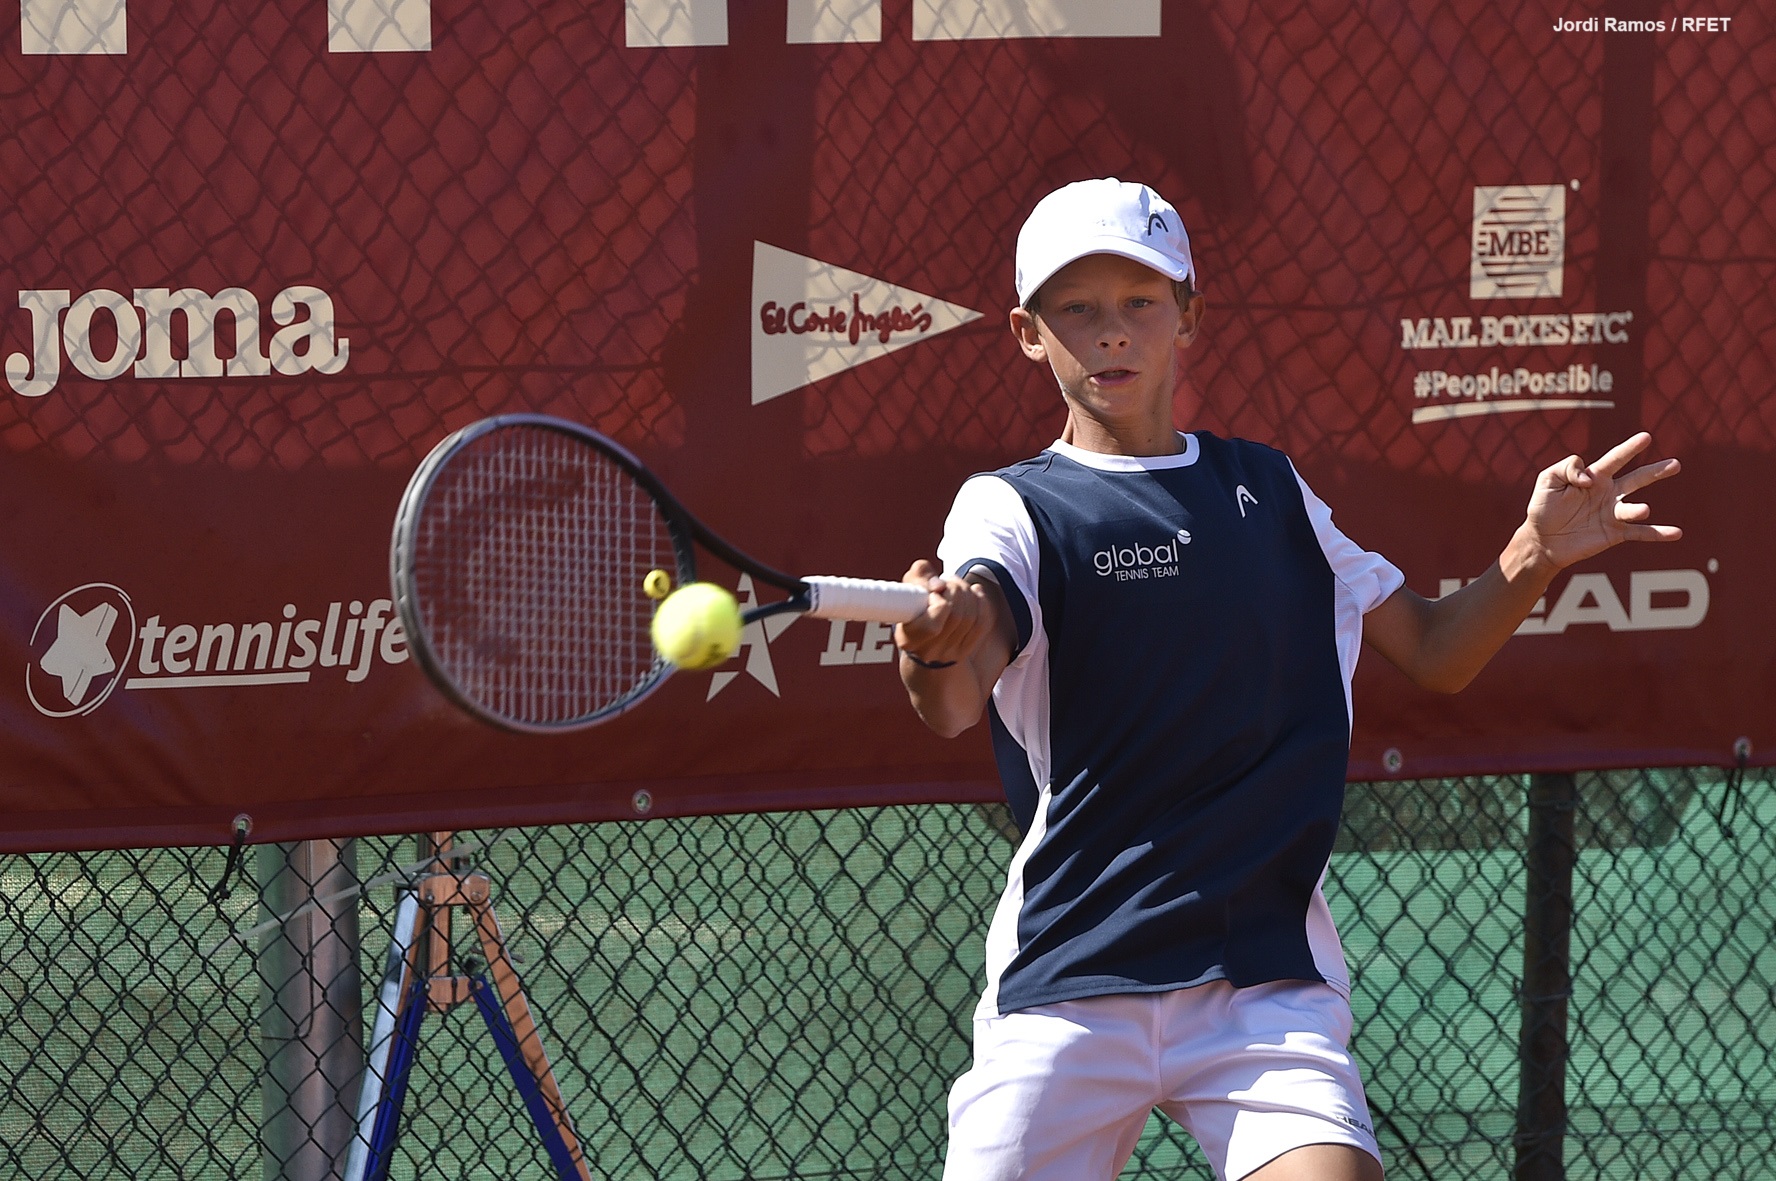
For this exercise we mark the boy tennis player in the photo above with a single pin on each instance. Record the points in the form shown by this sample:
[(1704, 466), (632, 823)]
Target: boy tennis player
[(1161, 630)]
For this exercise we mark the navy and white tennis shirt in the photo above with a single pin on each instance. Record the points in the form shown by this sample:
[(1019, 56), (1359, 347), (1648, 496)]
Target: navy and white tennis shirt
[(1174, 725)]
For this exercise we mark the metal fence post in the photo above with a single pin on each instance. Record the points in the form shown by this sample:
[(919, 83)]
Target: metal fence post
[(312, 1013), (1547, 980)]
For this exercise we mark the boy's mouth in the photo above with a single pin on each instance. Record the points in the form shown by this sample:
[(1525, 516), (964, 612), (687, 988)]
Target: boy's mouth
[(1113, 376)]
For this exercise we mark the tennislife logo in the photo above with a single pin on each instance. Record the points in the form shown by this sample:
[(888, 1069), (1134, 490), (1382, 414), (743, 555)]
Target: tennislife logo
[(91, 641)]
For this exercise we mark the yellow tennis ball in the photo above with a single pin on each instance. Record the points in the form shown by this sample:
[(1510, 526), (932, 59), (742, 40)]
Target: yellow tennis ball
[(698, 626), (657, 585)]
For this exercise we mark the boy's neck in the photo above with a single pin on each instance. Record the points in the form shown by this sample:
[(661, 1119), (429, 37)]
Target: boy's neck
[(1144, 438)]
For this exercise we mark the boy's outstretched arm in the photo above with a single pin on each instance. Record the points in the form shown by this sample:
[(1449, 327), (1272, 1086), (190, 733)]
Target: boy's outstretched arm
[(1576, 511), (968, 629)]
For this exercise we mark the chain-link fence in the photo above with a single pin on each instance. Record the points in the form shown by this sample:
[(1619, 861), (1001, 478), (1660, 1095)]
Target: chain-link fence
[(788, 995)]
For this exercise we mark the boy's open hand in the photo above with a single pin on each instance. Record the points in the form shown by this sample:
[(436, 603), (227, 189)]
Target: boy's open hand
[(1577, 511)]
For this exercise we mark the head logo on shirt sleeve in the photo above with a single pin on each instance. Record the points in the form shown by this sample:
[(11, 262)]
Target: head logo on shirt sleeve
[(1242, 497)]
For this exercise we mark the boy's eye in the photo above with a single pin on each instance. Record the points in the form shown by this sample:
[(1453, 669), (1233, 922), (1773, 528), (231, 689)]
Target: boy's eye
[(1075, 308), (1140, 301)]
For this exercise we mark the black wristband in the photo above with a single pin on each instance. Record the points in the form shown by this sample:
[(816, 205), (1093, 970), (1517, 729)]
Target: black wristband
[(927, 663)]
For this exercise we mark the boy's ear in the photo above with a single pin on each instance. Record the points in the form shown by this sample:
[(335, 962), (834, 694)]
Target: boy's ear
[(1023, 326), (1190, 320)]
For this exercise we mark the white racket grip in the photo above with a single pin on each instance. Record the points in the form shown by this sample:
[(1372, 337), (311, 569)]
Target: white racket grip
[(864, 599)]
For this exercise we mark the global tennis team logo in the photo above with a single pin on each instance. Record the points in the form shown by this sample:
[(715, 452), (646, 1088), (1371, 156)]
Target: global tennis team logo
[(1138, 560), (89, 641), (79, 649)]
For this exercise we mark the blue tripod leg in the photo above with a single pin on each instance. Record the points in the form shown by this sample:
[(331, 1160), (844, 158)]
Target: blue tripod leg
[(389, 996), (388, 1112), (507, 1040)]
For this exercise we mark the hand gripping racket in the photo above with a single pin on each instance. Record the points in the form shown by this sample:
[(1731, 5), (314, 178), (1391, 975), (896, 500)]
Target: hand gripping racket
[(518, 558)]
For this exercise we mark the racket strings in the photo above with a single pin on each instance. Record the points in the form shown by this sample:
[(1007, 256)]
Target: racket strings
[(529, 556)]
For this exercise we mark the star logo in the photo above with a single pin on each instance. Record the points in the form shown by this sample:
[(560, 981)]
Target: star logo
[(755, 641), (79, 649), (79, 652)]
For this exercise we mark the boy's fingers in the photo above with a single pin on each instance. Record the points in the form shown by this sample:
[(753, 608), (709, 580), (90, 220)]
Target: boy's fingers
[(950, 616), (1621, 453), (1640, 477), (920, 572), (1570, 470), (915, 632)]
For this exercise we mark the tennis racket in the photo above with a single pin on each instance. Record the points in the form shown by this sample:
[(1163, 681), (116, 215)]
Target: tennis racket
[(518, 558)]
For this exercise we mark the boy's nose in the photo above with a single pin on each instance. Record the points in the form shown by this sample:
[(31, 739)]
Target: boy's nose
[(1112, 329)]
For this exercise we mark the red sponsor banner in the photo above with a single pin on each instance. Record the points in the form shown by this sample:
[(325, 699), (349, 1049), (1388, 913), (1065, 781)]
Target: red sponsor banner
[(259, 262)]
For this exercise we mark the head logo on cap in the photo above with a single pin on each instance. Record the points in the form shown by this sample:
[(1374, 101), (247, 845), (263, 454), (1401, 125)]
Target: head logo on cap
[(1106, 216)]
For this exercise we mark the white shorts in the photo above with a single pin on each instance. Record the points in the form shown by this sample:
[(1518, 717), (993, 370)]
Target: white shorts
[(1061, 1092)]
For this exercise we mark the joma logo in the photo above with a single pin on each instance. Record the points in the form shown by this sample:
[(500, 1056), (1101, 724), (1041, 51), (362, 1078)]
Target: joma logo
[(139, 335)]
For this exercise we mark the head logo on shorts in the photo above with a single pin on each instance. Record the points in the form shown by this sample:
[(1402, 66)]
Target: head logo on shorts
[(79, 650)]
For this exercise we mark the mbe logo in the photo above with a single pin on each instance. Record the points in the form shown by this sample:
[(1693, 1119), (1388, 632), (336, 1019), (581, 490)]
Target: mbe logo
[(1519, 241)]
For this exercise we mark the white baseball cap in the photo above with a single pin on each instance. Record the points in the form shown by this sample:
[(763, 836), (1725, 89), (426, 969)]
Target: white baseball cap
[(1107, 216)]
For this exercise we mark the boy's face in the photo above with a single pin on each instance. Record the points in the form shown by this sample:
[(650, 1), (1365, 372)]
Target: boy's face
[(1109, 327)]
